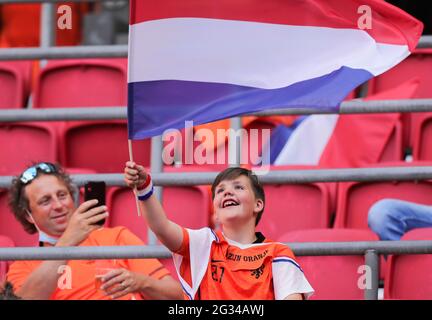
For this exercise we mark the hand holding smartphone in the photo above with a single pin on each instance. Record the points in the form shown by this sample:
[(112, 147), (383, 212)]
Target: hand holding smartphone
[(96, 190)]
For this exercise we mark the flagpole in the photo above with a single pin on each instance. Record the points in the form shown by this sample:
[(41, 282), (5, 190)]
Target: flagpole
[(134, 189)]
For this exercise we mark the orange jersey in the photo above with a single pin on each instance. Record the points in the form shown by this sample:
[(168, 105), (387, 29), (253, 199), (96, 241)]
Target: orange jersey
[(83, 271), (212, 267)]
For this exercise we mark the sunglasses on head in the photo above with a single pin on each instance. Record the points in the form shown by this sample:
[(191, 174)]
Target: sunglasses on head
[(31, 173)]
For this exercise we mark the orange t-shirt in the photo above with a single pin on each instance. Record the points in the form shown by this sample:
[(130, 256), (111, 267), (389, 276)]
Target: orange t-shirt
[(223, 269), (83, 271)]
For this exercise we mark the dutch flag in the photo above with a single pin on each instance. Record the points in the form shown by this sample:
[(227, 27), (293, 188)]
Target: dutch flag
[(206, 60)]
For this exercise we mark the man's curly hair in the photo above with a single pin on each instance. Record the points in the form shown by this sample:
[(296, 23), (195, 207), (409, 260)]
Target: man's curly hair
[(19, 203)]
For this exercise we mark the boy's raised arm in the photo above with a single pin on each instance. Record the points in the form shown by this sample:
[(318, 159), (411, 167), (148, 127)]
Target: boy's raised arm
[(168, 232)]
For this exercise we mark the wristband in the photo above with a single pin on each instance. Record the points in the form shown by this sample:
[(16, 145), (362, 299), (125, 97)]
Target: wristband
[(145, 190)]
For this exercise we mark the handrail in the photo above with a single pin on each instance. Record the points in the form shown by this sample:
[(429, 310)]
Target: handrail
[(415, 173), (370, 249), (161, 252), (105, 51), (66, 52), (110, 113)]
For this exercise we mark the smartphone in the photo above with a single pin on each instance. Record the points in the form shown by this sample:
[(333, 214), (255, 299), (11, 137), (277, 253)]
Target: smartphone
[(95, 190)]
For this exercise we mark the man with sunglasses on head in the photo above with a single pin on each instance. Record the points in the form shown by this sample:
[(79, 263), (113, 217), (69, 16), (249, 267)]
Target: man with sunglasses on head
[(42, 200)]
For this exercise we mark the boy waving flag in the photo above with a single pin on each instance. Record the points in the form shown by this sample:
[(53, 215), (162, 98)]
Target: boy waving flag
[(235, 262), (205, 60)]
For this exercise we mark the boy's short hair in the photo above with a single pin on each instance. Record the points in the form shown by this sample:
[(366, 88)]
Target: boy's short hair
[(235, 172)]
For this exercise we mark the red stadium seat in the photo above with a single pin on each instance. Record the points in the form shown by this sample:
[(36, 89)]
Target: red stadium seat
[(187, 206), (421, 123), (14, 84), (356, 198), (90, 83), (409, 276), (393, 150), (100, 146), (11, 228), (294, 206), (332, 277), (422, 135), (5, 242), (24, 143), (82, 83), (417, 65)]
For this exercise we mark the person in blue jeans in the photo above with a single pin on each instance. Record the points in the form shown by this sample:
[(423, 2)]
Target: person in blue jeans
[(390, 219)]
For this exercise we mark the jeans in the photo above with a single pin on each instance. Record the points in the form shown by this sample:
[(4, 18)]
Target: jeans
[(390, 219)]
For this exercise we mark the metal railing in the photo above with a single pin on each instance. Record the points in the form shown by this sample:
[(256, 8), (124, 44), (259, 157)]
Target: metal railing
[(415, 173), (106, 51), (67, 52), (112, 113), (370, 249)]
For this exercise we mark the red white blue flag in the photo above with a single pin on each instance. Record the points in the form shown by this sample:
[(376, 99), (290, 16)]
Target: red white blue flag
[(206, 60)]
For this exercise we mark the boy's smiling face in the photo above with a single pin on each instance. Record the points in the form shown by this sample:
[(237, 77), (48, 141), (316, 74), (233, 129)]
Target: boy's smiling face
[(235, 201)]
